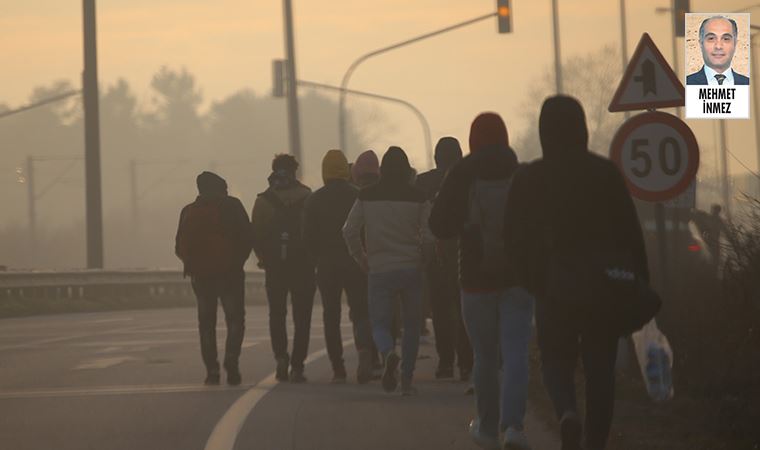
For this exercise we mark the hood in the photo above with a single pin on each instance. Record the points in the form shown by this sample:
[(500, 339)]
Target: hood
[(447, 152), (282, 179), (493, 162), (562, 127), (211, 185), (488, 130), (395, 166), (335, 166), (366, 169)]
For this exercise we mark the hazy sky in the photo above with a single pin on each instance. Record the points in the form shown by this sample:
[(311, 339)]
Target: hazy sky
[(229, 45)]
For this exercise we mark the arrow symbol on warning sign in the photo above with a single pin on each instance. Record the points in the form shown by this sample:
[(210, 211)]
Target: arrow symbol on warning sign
[(647, 78)]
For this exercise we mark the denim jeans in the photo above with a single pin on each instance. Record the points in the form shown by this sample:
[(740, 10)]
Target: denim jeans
[(383, 289), (499, 322)]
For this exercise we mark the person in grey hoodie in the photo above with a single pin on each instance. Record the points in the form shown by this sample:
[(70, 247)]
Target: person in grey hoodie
[(394, 217)]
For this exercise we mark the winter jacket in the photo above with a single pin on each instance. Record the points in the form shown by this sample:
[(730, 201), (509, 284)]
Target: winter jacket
[(569, 203), (394, 215)]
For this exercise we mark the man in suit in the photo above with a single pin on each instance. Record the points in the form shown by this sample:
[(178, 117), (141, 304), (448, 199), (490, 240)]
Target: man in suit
[(717, 38)]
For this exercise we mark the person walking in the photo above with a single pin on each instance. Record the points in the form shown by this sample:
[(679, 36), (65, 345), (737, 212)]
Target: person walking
[(213, 241), (277, 241), (394, 217), (325, 213), (451, 341), (565, 211), (497, 312)]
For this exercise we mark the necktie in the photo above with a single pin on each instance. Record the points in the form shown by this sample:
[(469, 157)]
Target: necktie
[(720, 77)]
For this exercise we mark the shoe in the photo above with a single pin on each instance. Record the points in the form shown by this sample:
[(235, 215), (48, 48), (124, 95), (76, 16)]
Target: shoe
[(364, 371), (470, 390), (212, 379), (482, 440), (296, 376), (339, 375), (389, 379), (571, 431), (407, 389), (281, 373), (233, 376), (515, 439), (444, 372)]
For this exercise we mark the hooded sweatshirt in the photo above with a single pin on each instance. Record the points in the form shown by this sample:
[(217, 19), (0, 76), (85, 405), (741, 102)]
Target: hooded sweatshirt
[(393, 215), (447, 154), (212, 189), (571, 197), (490, 158), (326, 211)]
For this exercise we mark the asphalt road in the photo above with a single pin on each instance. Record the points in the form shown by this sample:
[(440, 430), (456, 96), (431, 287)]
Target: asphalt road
[(133, 380)]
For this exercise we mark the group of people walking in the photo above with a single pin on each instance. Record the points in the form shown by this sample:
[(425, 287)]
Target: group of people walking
[(490, 241)]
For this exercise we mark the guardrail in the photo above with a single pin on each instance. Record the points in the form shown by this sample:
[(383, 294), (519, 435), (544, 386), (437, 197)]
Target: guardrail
[(109, 284)]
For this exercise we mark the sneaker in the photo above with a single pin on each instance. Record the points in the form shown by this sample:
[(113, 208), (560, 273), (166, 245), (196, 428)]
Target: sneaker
[(407, 389), (296, 376), (281, 373), (390, 380), (339, 375), (444, 372), (212, 379), (515, 439), (482, 440), (364, 371), (571, 431)]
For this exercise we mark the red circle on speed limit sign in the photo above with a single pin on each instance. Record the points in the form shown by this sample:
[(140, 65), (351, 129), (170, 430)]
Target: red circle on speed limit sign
[(657, 154)]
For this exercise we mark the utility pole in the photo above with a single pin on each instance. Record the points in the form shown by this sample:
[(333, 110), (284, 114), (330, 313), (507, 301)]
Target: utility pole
[(31, 202), (294, 127), (557, 55), (92, 139)]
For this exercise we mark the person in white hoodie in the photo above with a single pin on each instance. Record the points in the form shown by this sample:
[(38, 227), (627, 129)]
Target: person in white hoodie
[(394, 216)]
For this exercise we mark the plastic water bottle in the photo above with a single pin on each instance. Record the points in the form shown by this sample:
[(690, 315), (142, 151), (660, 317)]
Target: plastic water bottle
[(284, 238), (659, 381)]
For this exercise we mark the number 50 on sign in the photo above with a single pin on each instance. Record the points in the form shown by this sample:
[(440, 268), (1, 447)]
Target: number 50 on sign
[(657, 154)]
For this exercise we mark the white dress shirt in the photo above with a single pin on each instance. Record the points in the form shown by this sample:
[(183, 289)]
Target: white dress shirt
[(712, 81)]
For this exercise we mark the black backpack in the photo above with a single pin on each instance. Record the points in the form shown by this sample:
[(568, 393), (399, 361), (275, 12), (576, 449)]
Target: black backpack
[(285, 242)]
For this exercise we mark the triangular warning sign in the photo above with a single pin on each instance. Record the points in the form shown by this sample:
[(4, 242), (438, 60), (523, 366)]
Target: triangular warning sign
[(648, 82)]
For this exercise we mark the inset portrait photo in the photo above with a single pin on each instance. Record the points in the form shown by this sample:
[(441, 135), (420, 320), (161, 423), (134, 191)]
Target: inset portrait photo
[(717, 65)]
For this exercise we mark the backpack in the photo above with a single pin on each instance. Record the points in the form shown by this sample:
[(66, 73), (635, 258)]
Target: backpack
[(284, 242), (204, 245), (486, 220)]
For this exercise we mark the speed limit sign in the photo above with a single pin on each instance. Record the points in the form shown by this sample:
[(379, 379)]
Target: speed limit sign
[(657, 154)]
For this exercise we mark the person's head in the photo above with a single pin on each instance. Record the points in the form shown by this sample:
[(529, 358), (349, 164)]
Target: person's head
[(284, 169), (211, 185), (717, 38), (366, 169), (395, 166), (715, 209), (562, 127), (335, 166), (447, 152), (488, 130)]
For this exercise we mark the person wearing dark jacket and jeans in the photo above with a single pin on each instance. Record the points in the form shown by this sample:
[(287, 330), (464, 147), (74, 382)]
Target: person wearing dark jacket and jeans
[(324, 215), (393, 215), (497, 312), (451, 341), (277, 241), (562, 210), (213, 241)]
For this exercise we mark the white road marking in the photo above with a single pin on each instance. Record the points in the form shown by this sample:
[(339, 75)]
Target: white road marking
[(226, 431), (115, 390), (104, 363)]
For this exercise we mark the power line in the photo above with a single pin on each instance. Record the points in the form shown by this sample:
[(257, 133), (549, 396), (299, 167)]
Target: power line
[(743, 165), (44, 102)]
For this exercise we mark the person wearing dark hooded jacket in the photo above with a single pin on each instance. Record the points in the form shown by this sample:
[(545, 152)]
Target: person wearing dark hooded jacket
[(277, 241), (497, 313), (393, 215), (451, 341), (214, 241), (324, 215), (562, 210)]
